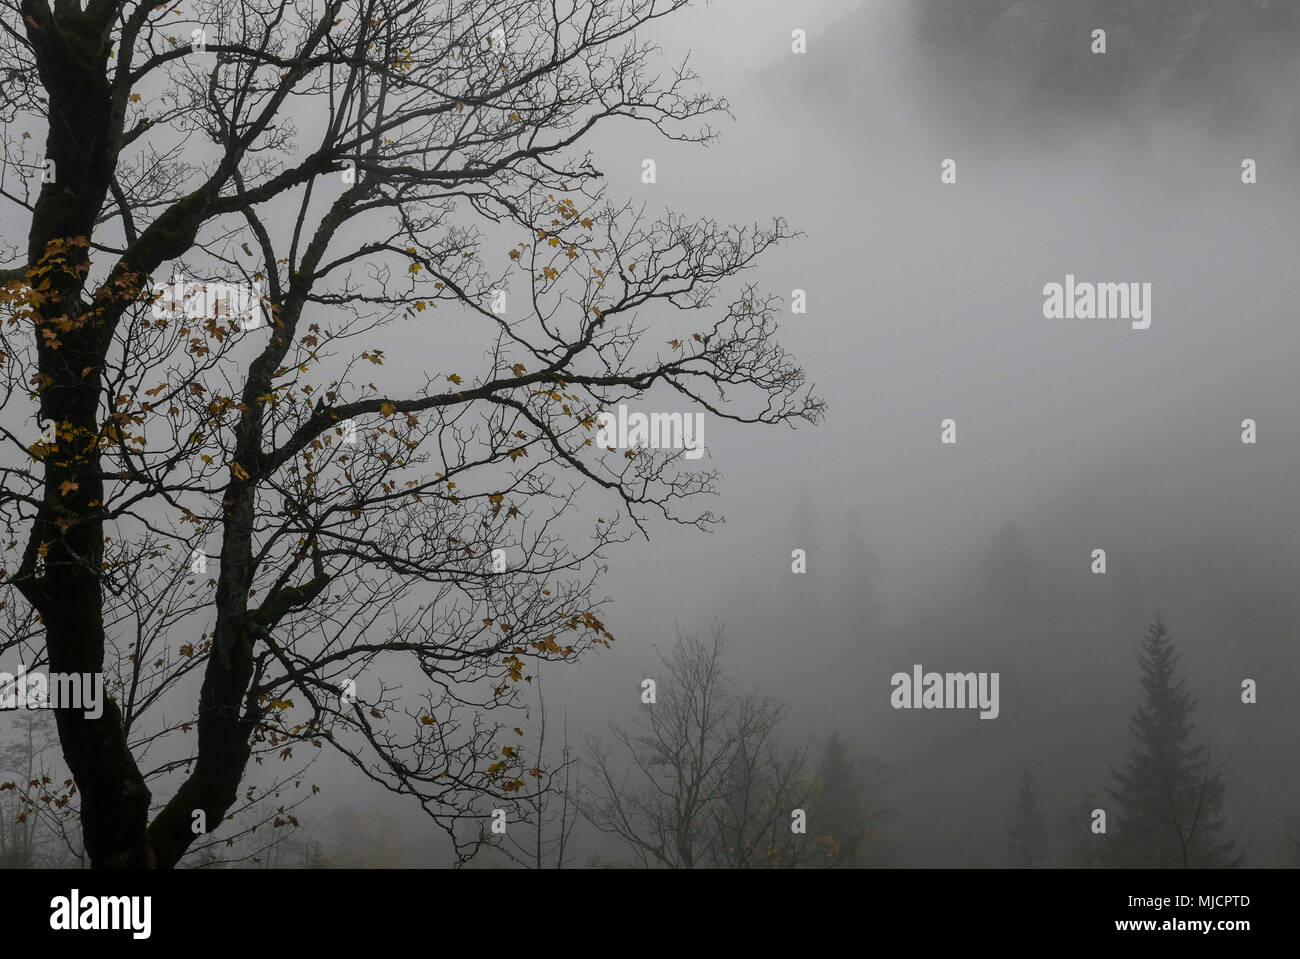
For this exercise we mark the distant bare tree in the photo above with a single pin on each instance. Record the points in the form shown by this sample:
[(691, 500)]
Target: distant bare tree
[(35, 796), (707, 781)]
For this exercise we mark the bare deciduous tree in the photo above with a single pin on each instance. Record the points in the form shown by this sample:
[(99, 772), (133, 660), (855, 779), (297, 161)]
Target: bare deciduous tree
[(703, 779)]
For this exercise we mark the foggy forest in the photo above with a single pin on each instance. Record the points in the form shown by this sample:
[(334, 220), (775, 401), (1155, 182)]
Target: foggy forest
[(649, 434)]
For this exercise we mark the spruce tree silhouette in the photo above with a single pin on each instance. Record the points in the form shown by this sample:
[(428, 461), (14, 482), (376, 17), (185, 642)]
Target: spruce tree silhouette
[(1169, 799)]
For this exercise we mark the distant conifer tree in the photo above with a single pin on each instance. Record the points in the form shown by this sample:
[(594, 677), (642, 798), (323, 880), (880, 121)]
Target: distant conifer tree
[(1027, 837), (1169, 800)]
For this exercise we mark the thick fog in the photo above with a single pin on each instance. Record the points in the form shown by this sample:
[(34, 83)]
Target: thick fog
[(925, 303)]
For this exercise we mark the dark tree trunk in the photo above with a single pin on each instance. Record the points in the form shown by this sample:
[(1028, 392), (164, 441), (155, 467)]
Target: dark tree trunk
[(62, 564)]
